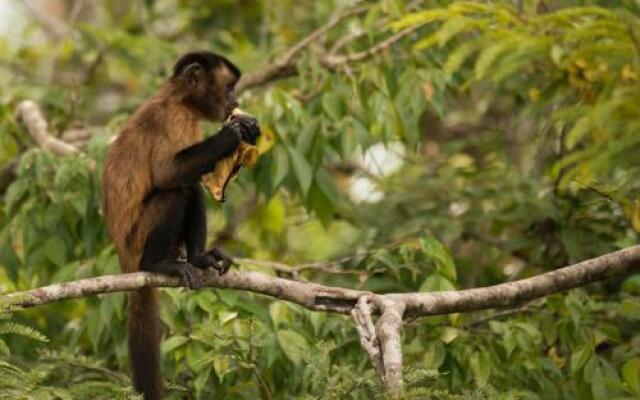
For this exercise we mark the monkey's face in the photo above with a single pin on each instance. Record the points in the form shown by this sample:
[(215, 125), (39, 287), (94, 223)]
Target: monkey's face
[(211, 93), (221, 97)]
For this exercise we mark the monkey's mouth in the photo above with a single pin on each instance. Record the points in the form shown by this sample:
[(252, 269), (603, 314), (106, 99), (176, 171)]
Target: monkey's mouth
[(228, 113)]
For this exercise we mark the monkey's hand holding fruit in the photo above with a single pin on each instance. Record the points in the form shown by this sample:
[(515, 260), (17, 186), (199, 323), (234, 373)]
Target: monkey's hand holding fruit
[(246, 154)]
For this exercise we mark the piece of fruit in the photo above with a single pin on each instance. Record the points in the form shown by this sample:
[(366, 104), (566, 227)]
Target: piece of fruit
[(227, 168)]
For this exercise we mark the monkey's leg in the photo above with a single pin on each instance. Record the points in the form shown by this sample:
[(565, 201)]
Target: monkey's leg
[(164, 238), (196, 232)]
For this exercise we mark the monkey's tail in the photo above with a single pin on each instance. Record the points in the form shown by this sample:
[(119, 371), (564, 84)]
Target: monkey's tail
[(144, 343)]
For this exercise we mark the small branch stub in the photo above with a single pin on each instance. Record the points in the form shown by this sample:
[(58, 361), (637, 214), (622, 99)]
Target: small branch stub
[(388, 329), (361, 314)]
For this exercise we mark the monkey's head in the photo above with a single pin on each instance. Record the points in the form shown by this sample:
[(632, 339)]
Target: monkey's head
[(207, 83)]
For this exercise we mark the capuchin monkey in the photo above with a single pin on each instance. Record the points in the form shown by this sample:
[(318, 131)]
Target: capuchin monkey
[(152, 197)]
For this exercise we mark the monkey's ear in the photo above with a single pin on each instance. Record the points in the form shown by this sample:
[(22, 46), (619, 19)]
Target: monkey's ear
[(193, 75)]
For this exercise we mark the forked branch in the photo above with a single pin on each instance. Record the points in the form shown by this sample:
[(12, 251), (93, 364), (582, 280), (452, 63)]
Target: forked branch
[(382, 341)]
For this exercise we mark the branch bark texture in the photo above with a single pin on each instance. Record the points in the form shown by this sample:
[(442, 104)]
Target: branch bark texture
[(382, 341), (342, 300)]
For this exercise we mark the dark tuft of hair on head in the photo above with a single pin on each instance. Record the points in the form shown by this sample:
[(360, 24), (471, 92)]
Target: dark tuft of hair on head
[(207, 59)]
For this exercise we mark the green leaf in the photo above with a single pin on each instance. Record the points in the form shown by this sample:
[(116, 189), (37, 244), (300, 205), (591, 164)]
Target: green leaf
[(55, 250), (226, 316), (173, 343), (449, 334), (15, 193), (332, 105), (279, 312), (481, 366), (423, 17), (222, 365), (631, 375), (320, 203), (458, 56), (435, 283), (294, 345), (302, 170), (22, 330), (279, 166), (579, 358), (306, 137), (440, 257), (632, 284), (4, 349), (491, 54)]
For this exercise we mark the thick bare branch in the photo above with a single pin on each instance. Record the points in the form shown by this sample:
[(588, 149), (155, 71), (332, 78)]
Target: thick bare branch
[(30, 115), (342, 300), (517, 292), (382, 343), (310, 295)]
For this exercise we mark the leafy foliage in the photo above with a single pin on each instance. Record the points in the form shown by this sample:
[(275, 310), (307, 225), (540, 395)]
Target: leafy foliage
[(578, 69), (514, 127)]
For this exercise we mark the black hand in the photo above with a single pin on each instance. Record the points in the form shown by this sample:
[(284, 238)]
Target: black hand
[(248, 127)]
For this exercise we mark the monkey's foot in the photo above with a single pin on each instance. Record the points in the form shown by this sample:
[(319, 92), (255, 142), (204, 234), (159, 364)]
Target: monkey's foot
[(204, 261), (223, 260), (214, 258), (190, 275)]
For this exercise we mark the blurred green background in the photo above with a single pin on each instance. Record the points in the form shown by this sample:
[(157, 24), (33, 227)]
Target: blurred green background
[(426, 145)]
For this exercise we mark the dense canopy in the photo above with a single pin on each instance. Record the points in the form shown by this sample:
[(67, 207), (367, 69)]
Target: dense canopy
[(407, 146)]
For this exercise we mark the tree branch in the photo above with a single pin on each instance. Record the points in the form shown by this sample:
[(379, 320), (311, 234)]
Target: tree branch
[(383, 342), (284, 66), (333, 61), (388, 328), (30, 115), (49, 22), (361, 314)]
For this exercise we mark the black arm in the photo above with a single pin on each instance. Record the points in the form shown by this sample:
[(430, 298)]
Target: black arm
[(186, 167), (195, 161)]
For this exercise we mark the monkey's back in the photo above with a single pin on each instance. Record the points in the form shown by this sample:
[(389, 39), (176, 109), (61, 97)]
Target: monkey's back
[(153, 135), (126, 181)]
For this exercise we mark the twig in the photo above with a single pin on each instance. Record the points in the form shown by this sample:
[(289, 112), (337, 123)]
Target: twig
[(333, 61), (331, 267), (359, 33), (58, 28), (284, 66), (500, 314)]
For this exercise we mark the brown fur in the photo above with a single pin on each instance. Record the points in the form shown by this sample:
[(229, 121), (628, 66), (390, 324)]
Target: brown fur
[(141, 161), (143, 152)]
